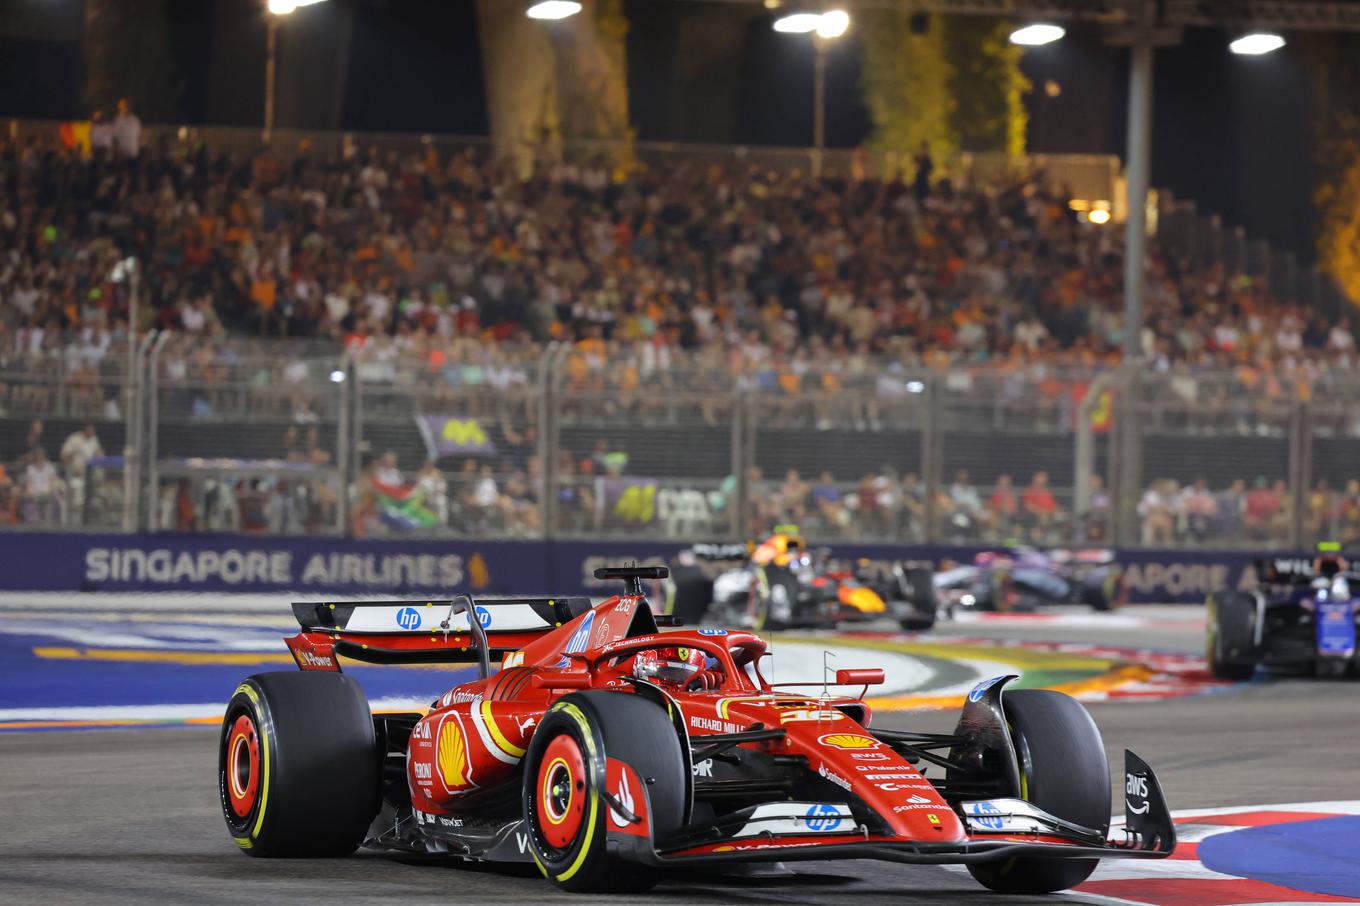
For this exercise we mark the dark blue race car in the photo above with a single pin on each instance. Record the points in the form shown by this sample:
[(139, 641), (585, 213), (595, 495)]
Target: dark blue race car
[(1302, 617)]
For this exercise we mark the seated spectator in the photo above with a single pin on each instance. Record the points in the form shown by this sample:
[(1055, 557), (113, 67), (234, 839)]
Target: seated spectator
[(1002, 508), (826, 497), (386, 472), (42, 490), (1157, 509), (793, 496), (9, 501), (1095, 523), (1263, 509), (1041, 508), (1198, 511)]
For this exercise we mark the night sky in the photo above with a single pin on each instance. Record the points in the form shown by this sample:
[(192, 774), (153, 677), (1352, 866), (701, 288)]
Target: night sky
[(1232, 133)]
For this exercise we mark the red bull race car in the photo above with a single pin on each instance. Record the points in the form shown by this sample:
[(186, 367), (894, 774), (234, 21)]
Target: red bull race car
[(780, 583), (608, 753)]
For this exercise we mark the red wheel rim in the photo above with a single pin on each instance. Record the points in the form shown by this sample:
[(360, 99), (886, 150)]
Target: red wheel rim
[(243, 766), (561, 792)]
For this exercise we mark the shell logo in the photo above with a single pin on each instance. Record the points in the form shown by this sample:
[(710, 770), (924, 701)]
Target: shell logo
[(453, 761), (848, 741)]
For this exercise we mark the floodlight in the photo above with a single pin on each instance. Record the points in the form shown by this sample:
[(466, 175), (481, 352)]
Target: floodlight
[(1257, 43), (1037, 34), (553, 9)]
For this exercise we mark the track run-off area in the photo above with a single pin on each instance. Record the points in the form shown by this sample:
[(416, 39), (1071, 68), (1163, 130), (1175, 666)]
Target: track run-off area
[(109, 706)]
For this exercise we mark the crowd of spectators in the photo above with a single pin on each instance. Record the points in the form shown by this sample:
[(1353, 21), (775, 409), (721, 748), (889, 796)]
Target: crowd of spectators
[(70, 487), (807, 276), (1259, 513), (657, 288)]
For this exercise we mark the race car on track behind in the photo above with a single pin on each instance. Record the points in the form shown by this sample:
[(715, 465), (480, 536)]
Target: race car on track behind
[(1024, 578), (1302, 616), (608, 753), (782, 584)]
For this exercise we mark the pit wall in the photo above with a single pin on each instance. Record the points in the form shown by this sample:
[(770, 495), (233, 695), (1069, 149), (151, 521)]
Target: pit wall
[(197, 563)]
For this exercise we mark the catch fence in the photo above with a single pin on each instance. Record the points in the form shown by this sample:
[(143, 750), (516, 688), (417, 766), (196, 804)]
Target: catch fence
[(473, 440)]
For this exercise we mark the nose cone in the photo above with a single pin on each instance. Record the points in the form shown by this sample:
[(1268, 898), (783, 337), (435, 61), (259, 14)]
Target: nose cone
[(865, 600)]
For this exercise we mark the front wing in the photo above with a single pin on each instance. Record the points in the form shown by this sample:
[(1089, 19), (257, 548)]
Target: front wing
[(998, 829)]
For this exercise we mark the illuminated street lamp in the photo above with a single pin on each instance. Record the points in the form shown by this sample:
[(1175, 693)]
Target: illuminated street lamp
[(1037, 34), (825, 27), (277, 9), (553, 9), (1257, 43)]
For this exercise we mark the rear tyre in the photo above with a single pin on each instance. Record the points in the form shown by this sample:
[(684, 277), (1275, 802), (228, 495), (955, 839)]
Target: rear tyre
[(1104, 592), (1063, 770), (1230, 635), (688, 594), (298, 765), (565, 812), (919, 587)]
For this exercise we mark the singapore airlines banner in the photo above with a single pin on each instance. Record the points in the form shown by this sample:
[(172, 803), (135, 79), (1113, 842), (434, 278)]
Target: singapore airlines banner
[(198, 563)]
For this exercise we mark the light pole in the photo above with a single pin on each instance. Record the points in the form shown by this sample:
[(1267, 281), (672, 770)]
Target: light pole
[(270, 67), (818, 103), (825, 28), (277, 10)]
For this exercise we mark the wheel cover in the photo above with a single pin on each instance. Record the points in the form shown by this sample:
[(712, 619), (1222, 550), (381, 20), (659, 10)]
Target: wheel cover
[(561, 791), (243, 766)]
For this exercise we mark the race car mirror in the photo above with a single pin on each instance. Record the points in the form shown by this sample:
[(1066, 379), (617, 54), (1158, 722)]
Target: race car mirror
[(860, 677)]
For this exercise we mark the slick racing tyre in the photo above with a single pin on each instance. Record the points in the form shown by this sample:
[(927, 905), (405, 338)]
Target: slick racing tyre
[(566, 813), (1230, 635), (1063, 770), (1002, 592), (775, 599), (918, 586), (688, 593), (297, 768), (1104, 591)]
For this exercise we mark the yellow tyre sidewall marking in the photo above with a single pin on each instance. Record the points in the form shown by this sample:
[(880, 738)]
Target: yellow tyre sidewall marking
[(588, 736), (250, 693)]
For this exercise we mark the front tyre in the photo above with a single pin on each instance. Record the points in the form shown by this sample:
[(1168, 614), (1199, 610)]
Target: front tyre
[(1230, 635), (774, 599), (918, 585), (1063, 770), (298, 765), (566, 814)]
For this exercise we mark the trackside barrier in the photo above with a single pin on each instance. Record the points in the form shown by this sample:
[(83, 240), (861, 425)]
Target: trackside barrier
[(81, 562)]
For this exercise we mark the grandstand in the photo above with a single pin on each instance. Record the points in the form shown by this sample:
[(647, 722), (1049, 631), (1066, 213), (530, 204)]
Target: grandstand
[(679, 350)]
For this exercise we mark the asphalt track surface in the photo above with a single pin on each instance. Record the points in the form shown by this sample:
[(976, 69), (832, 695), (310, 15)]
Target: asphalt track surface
[(133, 817)]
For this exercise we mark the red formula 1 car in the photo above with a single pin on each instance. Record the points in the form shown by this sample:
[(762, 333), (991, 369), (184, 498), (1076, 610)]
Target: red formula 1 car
[(608, 752)]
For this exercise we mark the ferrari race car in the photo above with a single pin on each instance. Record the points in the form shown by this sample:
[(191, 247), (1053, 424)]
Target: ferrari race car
[(607, 752), (781, 584), (1302, 616), (1024, 578)]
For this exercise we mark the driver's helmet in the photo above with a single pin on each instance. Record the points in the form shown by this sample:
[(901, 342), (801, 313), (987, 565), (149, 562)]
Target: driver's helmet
[(669, 665)]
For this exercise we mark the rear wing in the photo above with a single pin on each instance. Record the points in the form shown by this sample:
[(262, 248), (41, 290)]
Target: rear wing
[(721, 551), (1298, 570), (424, 631)]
